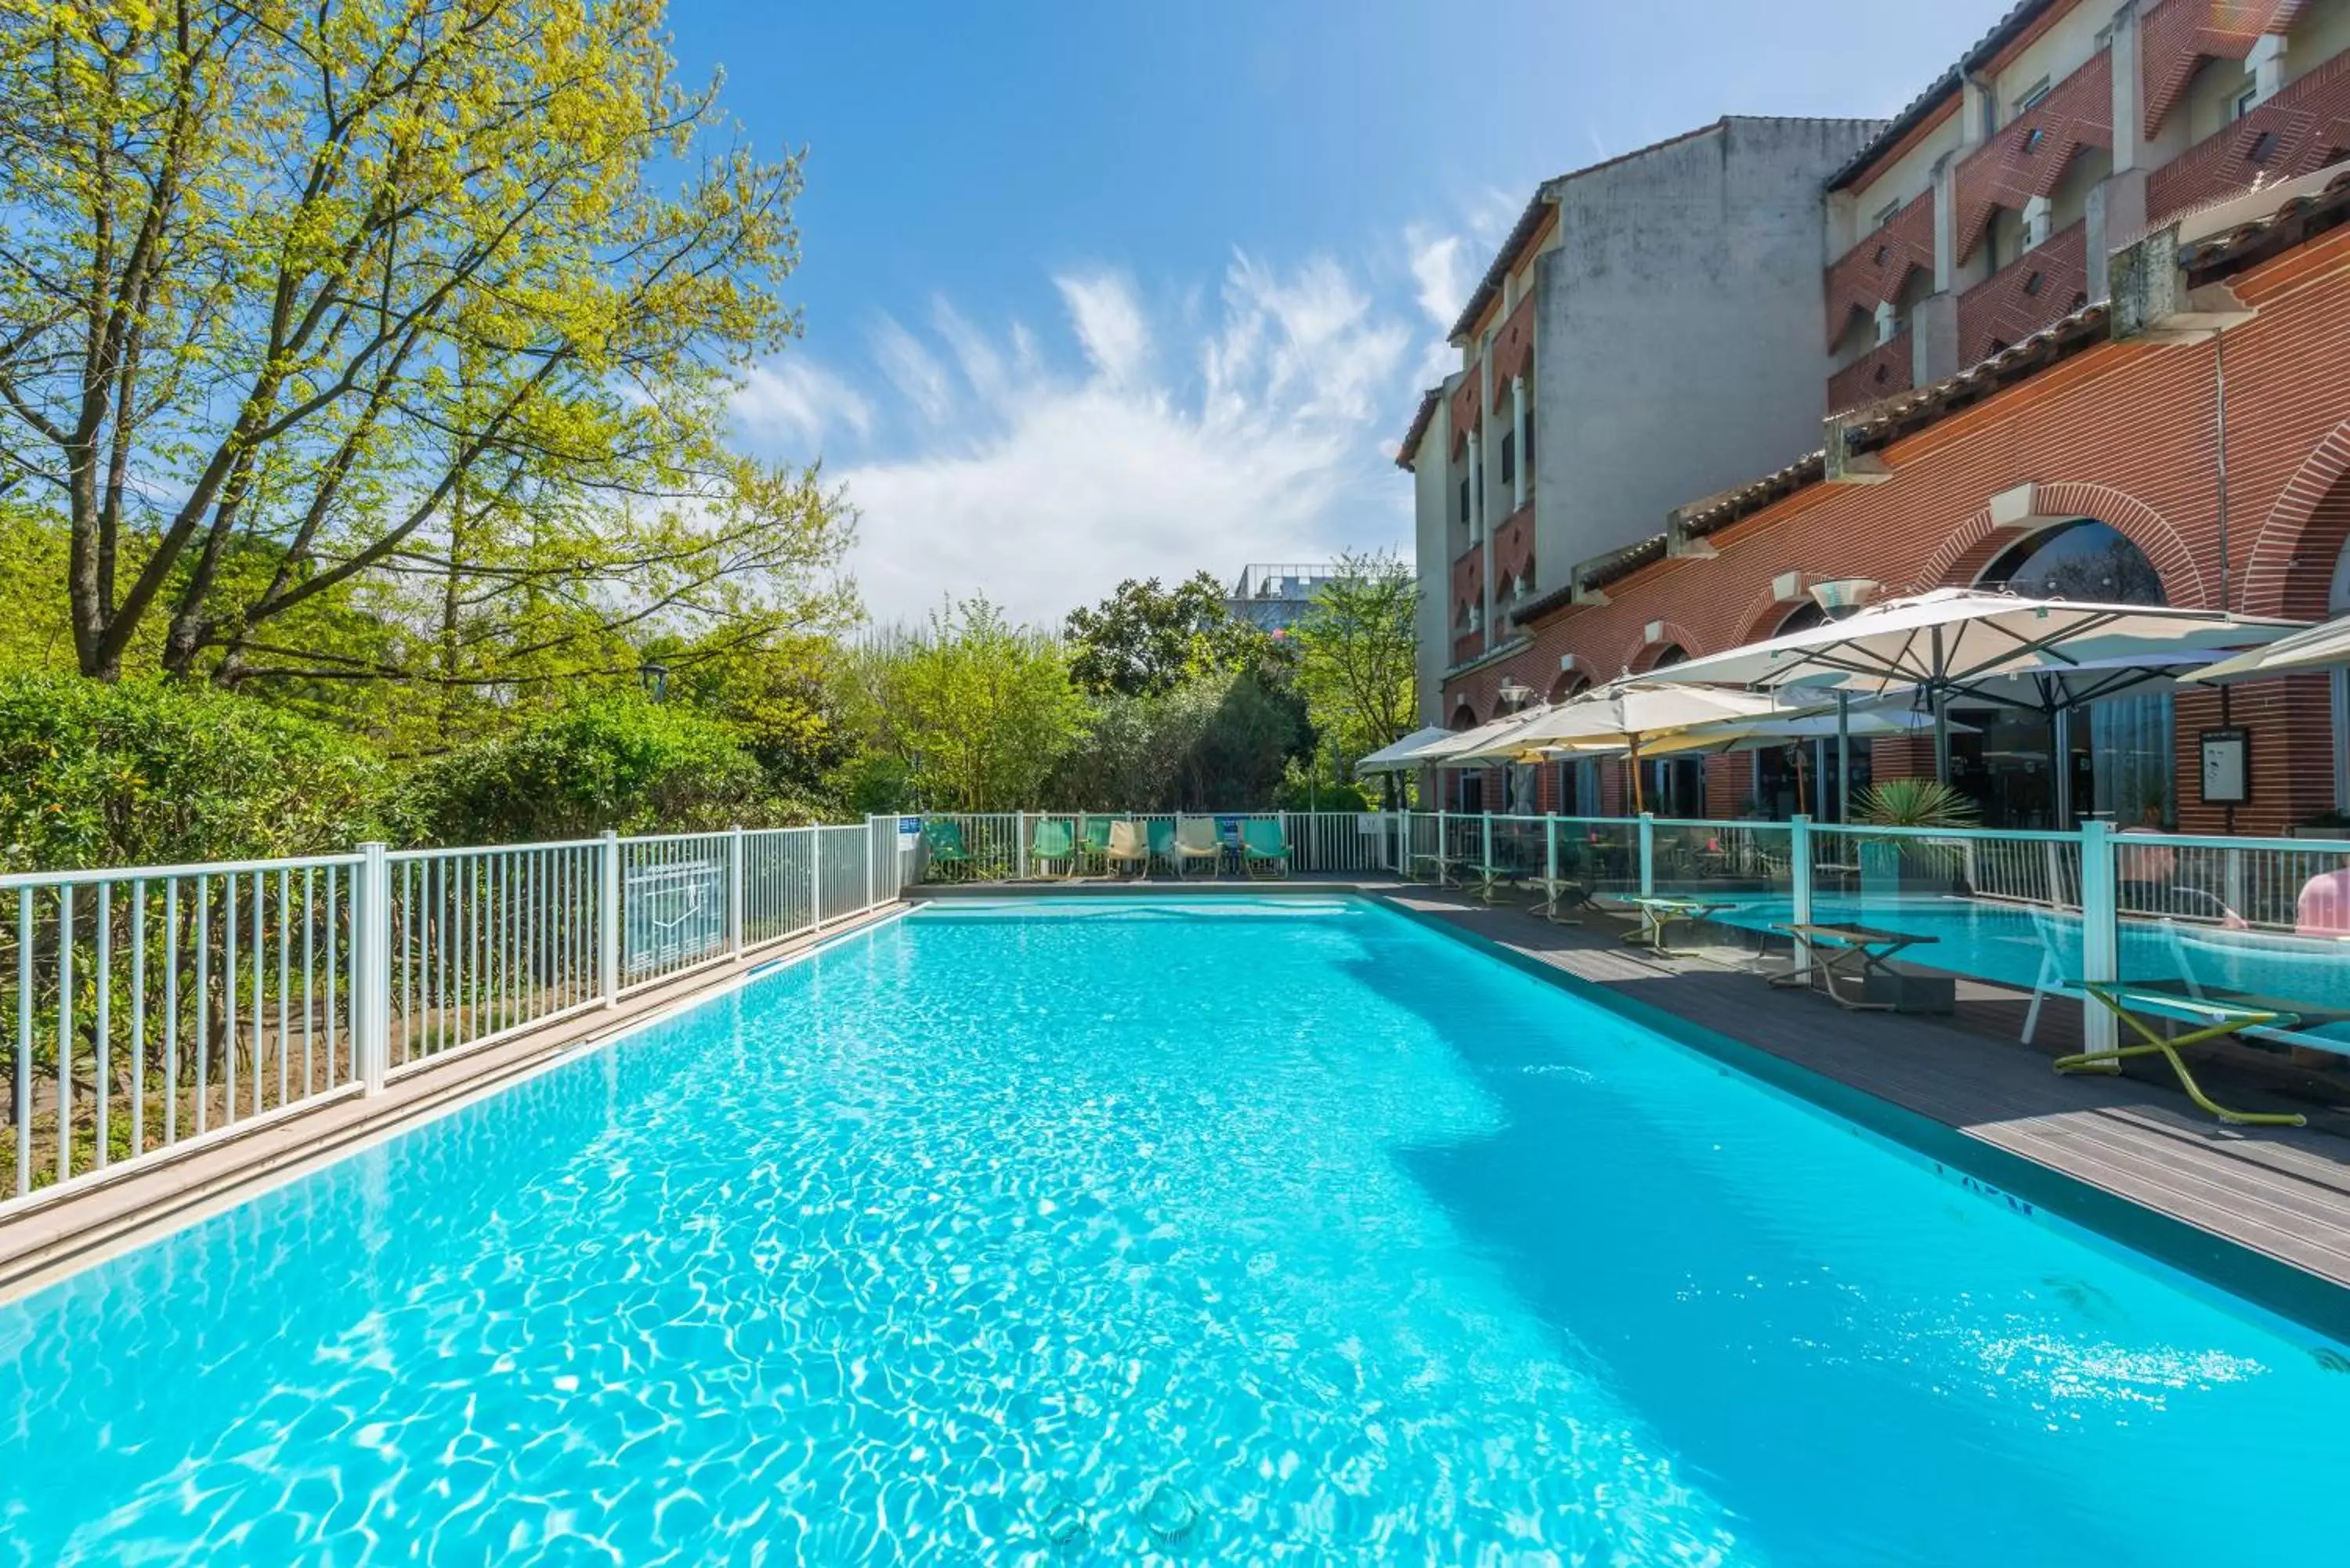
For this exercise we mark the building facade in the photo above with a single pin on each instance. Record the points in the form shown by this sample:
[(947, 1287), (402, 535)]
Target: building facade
[(1275, 598), (1666, 286), (2087, 304)]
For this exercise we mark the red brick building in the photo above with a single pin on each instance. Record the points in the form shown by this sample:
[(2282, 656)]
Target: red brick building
[(2164, 405)]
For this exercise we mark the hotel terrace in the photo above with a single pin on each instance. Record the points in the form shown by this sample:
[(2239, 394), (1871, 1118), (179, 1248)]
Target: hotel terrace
[(2074, 321)]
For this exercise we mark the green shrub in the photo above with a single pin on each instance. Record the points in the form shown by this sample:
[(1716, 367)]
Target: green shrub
[(615, 761), (144, 773)]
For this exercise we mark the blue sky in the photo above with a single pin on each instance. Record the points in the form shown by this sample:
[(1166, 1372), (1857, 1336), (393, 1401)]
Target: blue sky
[(1111, 289)]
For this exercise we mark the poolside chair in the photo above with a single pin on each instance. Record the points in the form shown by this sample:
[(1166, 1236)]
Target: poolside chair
[(943, 850), (1128, 846), (1196, 840), (1052, 839), (1093, 843), (1265, 848), (1161, 837)]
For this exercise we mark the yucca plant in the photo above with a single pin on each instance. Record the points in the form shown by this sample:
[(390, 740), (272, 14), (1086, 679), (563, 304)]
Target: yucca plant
[(1917, 803)]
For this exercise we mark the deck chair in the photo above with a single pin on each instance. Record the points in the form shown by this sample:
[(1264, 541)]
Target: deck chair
[(943, 850), (1265, 848), (1127, 847), (1052, 840), (1093, 843), (1196, 840), (1161, 839)]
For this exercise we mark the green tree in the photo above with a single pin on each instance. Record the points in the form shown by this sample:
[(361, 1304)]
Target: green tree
[(1219, 741), (620, 762), (977, 711), (1145, 640), (142, 772), (1357, 656), (430, 308)]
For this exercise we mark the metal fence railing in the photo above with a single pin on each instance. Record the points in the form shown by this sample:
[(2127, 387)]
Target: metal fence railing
[(995, 847), (144, 1009)]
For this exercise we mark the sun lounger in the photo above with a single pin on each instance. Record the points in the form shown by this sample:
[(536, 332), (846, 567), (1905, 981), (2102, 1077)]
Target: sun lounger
[(944, 851), (1127, 848), (1052, 840), (1195, 841), (1161, 837), (1093, 843), (1265, 849)]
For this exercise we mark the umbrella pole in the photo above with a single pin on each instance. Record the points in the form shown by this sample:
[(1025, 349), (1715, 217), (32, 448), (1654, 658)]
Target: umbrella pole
[(1632, 761), (1843, 756), (1803, 803)]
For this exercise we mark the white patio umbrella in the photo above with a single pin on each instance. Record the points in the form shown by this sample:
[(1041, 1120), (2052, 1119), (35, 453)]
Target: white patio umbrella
[(1488, 743), (1794, 726), (1626, 714), (1963, 639), (1402, 756), (2322, 646)]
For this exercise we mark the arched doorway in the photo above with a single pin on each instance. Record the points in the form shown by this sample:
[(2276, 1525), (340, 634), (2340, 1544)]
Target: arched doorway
[(1575, 782), (1672, 786), (2081, 559), (2113, 758)]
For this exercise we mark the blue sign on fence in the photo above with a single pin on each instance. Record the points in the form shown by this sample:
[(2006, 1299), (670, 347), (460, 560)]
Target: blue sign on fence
[(909, 827)]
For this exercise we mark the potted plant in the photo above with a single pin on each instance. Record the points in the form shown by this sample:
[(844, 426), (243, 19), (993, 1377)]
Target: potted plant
[(1913, 865)]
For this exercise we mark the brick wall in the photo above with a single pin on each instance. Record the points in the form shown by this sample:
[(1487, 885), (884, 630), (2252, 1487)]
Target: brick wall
[(2301, 130), (2043, 286), (2123, 431)]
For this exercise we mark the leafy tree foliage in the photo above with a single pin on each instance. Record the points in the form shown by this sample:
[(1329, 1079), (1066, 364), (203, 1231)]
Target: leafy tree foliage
[(620, 762), (976, 711), (1356, 654), (1145, 640), (1219, 741), (144, 773), (390, 339)]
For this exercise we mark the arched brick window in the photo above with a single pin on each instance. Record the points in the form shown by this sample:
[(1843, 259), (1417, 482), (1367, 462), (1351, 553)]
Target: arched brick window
[(2082, 559)]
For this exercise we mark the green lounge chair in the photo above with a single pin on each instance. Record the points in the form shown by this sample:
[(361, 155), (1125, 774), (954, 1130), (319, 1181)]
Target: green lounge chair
[(944, 851), (1093, 843), (1054, 839), (1265, 848), (1161, 837)]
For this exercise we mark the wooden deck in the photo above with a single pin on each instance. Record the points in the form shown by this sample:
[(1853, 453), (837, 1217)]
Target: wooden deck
[(2281, 1193)]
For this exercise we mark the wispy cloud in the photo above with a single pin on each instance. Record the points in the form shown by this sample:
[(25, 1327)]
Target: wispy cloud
[(1045, 468), (795, 401)]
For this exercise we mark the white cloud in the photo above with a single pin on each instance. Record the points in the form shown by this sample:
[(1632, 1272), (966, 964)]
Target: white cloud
[(911, 369), (1043, 487), (1442, 270), (1108, 324), (798, 401)]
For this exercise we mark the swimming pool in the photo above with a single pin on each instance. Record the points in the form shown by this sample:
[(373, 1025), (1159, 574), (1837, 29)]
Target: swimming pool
[(1235, 1230)]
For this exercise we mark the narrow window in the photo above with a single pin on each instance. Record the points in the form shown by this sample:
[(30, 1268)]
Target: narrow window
[(2032, 285), (1509, 456), (2264, 146)]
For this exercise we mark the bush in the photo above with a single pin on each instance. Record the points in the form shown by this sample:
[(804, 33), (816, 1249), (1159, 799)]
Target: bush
[(144, 773), (615, 761)]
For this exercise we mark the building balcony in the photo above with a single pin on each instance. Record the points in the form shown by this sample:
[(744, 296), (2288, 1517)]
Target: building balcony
[(1513, 550), (1469, 645), (2302, 128), (2043, 286), (2028, 157), (1879, 373), (1877, 270)]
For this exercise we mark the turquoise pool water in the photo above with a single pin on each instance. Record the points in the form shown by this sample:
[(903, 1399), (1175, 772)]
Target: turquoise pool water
[(1182, 1232)]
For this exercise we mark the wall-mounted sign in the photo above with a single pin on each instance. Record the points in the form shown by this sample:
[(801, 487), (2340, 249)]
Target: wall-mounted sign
[(2227, 768)]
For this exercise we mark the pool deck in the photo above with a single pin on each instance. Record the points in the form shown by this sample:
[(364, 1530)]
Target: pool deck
[(2281, 1192)]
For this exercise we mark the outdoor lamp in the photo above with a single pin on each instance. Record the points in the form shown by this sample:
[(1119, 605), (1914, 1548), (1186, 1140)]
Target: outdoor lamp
[(1516, 692), (654, 674)]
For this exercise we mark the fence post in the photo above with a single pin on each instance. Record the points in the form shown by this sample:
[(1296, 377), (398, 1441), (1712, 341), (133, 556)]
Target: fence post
[(1550, 853), (372, 986), (815, 875), (1647, 855), (607, 917), (735, 890), (2100, 933), (1443, 845), (1799, 886), (1020, 847), (869, 854), (1486, 844)]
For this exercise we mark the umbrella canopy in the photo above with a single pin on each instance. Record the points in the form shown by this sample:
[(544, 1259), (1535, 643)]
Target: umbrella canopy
[(1625, 713), (1487, 744), (1402, 756), (2324, 647), (1966, 640), (1793, 725)]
